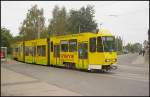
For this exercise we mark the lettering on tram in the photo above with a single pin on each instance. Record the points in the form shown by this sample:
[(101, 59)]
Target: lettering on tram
[(67, 56)]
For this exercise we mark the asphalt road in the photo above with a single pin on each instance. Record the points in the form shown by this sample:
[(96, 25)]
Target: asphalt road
[(130, 79)]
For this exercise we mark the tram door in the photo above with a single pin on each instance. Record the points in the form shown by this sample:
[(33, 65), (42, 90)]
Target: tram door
[(83, 55), (56, 54), (34, 53)]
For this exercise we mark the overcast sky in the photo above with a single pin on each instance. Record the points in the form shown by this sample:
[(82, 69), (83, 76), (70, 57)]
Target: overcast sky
[(128, 19)]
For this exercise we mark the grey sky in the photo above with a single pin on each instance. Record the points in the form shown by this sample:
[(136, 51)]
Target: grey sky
[(129, 19)]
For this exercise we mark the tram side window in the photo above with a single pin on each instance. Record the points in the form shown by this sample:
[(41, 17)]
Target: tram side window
[(27, 51), (30, 51), (92, 44), (99, 44), (64, 46), (73, 45), (83, 50), (38, 50), (41, 50), (51, 46)]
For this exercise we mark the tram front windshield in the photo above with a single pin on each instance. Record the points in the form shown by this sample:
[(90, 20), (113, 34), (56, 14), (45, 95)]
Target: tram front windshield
[(109, 43)]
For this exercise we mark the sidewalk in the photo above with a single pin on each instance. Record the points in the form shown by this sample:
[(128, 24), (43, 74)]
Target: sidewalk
[(146, 57), (16, 84), (141, 60)]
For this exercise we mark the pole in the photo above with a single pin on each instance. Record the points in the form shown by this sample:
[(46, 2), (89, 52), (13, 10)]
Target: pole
[(79, 28), (117, 44), (38, 28), (122, 44)]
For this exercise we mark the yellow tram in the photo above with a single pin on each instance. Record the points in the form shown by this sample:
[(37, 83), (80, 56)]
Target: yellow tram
[(80, 51)]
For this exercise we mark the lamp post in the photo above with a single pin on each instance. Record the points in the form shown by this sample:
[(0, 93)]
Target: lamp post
[(38, 27), (148, 35), (79, 28)]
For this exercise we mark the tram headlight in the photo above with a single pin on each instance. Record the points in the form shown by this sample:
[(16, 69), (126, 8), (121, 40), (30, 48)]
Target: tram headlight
[(114, 60), (107, 60)]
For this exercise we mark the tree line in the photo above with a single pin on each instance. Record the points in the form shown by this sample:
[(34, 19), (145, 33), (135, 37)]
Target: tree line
[(61, 23)]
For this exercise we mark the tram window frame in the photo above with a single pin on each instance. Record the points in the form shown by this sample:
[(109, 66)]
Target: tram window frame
[(66, 46), (51, 46), (100, 43), (72, 47), (92, 45)]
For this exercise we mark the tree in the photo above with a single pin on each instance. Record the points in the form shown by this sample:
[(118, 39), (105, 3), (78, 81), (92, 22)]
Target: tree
[(119, 44), (58, 23), (45, 33), (33, 25), (73, 22), (18, 38), (137, 47), (133, 48), (6, 38), (82, 20)]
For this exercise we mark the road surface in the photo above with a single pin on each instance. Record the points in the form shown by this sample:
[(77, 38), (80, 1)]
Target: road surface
[(130, 79)]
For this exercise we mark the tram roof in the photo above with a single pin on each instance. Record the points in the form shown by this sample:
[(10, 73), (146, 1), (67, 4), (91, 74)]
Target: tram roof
[(101, 32)]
